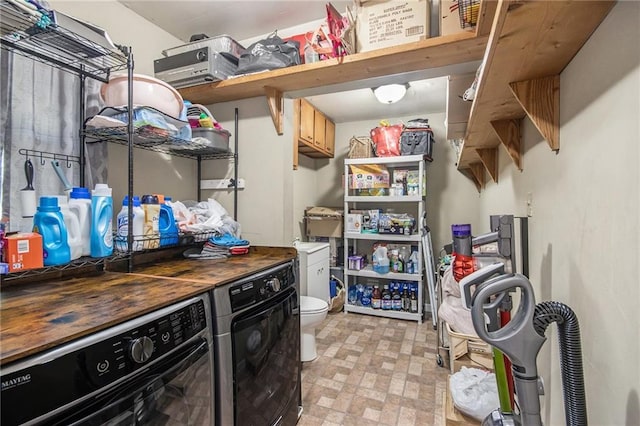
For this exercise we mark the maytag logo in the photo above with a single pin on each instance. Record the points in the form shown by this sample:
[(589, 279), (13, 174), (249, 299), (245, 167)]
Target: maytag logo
[(16, 381)]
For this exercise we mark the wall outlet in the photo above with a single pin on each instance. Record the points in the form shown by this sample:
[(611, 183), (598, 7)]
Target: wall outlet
[(529, 204)]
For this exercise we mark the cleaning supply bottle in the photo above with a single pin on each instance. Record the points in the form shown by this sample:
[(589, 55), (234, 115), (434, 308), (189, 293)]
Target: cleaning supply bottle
[(381, 260), (122, 225), (167, 225), (49, 223), (205, 121), (72, 223), (101, 221), (80, 205), (151, 208), (462, 251)]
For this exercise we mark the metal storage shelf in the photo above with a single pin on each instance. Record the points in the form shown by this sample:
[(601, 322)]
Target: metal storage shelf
[(166, 145), (82, 262), (62, 49), (56, 46)]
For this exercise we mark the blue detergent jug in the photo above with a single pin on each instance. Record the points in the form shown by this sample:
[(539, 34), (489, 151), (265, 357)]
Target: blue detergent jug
[(167, 225), (101, 221), (49, 222)]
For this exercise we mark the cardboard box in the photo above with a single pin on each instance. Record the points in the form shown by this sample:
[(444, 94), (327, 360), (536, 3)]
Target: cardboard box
[(450, 19), (388, 23), (369, 176), (23, 251), (323, 222)]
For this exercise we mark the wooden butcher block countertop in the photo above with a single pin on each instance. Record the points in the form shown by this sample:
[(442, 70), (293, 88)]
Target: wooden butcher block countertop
[(35, 317)]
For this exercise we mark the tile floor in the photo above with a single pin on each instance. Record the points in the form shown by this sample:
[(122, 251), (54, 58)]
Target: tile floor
[(373, 371)]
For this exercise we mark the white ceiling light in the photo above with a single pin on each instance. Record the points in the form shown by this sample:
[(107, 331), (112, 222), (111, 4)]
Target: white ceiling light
[(391, 93)]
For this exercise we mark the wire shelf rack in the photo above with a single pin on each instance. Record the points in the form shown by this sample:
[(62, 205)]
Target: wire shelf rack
[(145, 138), (57, 46)]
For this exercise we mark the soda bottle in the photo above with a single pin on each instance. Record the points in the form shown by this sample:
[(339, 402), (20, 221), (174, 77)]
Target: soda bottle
[(462, 254)]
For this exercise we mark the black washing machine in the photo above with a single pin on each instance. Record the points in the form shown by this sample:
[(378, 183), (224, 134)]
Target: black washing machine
[(257, 349), (153, 370)]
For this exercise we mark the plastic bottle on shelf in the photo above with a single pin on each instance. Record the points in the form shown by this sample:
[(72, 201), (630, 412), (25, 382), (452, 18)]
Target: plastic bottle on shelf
[(396, 299), (376, 298), (406, 299), (167, 227), (413, 299), (386, 298), (101, 221), (151, 208), (80, 205), (413, 259), (381, 260), (462, 251), (72, 223), (122, 225), (49, 223)]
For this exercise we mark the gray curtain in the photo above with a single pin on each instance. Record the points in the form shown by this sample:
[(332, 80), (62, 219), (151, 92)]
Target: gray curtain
[(41, 111)]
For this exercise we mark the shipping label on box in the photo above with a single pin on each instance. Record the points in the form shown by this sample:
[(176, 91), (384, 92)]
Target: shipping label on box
[(23, 251), (388, 23)]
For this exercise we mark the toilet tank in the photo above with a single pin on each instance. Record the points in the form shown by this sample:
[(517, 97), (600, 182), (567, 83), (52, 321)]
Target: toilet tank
[(314, 269)]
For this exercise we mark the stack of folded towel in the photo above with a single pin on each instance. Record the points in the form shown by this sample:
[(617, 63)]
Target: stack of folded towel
[(228, 243), (219, 247)]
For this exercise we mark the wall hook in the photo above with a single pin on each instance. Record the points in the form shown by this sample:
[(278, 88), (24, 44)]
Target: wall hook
[(42, 162)]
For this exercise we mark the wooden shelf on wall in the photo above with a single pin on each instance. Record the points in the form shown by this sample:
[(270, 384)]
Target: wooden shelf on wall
[(531, 42), (430, 53)]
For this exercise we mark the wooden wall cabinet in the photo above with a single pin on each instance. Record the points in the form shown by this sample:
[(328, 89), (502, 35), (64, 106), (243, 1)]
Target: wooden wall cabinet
[(314, 133)]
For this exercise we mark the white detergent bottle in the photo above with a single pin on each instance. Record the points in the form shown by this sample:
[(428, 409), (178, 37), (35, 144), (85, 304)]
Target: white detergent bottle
[(123, 225), (80, 205), (72, 223)]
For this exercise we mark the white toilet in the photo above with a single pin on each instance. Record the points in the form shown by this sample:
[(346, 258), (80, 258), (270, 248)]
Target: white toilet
[(314, 294)]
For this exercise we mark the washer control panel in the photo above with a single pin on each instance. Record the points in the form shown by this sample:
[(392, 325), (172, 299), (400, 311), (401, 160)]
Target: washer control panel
[(260, 288)]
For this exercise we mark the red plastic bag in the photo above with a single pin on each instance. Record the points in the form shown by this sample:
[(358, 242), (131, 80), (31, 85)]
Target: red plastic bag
[(387, 140)]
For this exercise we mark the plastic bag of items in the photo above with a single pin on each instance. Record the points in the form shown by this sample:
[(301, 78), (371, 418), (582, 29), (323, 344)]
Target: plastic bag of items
[(474, 392)]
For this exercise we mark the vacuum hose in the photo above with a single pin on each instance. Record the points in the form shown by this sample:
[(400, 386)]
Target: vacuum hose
[(575, 403)]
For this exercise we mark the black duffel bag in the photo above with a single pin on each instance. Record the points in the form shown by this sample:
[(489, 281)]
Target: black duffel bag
[(269, 54), (417, 139)]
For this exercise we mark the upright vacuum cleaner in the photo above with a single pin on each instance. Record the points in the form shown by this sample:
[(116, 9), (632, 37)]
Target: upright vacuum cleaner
[(521, 339)]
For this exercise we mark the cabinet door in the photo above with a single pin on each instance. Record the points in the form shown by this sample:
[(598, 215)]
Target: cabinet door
[(330, 137), (307, 122), (319, 131)]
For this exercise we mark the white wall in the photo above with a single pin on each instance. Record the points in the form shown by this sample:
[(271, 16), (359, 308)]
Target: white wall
[(585, 226)]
